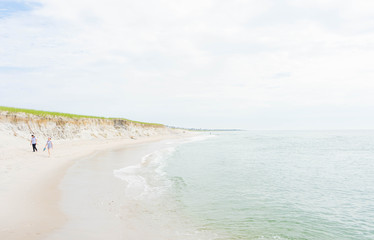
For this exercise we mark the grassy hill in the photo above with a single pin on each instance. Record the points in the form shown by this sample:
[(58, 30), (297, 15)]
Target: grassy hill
[(67, 115)]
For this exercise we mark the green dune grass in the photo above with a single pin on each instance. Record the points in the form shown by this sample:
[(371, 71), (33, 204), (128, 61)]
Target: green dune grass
[(68, 115)]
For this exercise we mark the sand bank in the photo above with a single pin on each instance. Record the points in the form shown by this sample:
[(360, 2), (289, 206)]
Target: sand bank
[(29, 181)]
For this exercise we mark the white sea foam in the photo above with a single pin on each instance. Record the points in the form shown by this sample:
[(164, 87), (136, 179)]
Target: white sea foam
[(145, 180), (199, 138)]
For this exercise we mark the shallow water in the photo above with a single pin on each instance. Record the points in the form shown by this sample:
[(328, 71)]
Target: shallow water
[(278, 185)]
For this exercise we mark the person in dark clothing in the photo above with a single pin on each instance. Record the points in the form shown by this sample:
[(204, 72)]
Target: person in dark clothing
[(33, 142)]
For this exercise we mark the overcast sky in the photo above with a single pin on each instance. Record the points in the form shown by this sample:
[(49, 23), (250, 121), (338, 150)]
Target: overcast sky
[(251, 64)]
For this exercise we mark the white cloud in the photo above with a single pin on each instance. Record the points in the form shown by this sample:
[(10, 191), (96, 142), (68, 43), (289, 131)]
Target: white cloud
[(171, 61)]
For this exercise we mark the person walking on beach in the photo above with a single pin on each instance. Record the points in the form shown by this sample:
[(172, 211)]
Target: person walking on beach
[(33, 142), (49, 145)]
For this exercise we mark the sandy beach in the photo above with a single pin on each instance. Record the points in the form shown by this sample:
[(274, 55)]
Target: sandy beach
[(187, 120), (30, 181)]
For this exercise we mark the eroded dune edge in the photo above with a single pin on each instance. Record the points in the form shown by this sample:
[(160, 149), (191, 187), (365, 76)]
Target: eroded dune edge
[(29, 193)]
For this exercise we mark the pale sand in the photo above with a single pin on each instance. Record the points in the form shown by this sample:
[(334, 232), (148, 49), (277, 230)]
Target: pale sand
[(29, 194)]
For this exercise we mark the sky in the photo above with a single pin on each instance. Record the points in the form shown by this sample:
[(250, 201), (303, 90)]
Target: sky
[(248, 64)]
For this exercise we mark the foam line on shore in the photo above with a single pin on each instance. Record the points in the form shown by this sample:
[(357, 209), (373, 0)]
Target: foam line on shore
[(138, 177)]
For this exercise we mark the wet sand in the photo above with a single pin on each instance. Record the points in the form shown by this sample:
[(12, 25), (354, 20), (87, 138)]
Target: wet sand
[(29, 184)]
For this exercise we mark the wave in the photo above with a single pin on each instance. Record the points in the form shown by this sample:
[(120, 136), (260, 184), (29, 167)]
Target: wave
[(146, 180), (197, 138)]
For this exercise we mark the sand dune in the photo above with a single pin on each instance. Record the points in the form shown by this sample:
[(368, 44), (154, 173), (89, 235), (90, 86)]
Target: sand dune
[(29, 181)]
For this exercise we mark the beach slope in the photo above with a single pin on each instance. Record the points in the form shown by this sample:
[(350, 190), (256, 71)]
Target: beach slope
[(29, 193)]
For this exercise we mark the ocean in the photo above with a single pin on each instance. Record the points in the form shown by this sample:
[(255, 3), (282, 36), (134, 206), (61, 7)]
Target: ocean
[(310, 185), (255, 185)]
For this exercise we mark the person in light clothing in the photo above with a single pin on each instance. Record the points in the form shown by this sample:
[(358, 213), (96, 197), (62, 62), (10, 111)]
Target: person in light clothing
[(33, 142), (49, 145)]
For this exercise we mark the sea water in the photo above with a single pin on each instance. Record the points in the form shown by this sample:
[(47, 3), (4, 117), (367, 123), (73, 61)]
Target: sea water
[(310, 185)]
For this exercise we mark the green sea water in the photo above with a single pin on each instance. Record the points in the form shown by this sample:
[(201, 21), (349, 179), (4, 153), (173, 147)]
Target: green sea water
[(276, 184), (253, 185)]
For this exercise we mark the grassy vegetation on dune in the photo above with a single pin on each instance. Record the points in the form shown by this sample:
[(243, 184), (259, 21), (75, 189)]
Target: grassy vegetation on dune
[(68, 115), (45, 113)]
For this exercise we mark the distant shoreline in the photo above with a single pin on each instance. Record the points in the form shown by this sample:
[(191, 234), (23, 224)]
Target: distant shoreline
[(206, 130)]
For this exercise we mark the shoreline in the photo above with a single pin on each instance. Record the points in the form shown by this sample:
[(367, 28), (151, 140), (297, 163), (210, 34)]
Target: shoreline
[(30, 182), (102, 205)]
